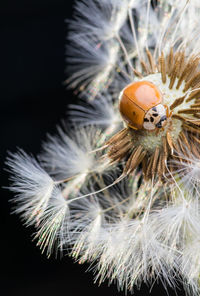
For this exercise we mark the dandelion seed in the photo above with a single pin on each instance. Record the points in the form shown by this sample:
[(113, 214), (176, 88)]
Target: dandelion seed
[(179, 230), (65, 156), (33, 186), (101, 112), (102, 20), (91, 68), (189, 265), (88, 239), (72, 161), (51, 230), (117, 262), (187, 170)]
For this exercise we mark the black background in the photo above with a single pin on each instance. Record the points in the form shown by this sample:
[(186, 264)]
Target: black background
[(33, 101)]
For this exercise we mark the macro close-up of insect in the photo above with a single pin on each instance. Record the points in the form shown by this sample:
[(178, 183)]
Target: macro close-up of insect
[(141, 106), (116, 185)]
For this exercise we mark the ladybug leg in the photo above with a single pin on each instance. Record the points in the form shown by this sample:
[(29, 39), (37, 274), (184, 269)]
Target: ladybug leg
[(133, 127), (168, 113), (167, 110)]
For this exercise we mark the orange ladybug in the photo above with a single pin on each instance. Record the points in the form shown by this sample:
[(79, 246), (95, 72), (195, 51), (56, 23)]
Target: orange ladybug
[(141, 106)]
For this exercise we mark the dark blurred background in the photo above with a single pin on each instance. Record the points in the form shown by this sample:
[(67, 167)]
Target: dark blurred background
[(33, 100)]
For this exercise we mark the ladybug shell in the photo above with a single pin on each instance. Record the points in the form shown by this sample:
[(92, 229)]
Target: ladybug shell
[(135, 100)]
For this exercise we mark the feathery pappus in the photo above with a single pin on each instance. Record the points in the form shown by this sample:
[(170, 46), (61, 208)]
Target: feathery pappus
[(121, 190)]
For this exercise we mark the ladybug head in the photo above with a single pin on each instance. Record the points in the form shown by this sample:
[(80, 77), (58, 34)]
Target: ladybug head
[(156, 117)]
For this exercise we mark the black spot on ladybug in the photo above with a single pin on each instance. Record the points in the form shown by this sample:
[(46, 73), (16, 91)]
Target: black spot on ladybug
[(155, 114), (146, 119), (151, 119), (154, 109), (163, 118), (133, 113), (160, 123)]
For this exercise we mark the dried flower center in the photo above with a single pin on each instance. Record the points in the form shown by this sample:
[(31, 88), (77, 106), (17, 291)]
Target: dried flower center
[(153, 139), (178, 80)]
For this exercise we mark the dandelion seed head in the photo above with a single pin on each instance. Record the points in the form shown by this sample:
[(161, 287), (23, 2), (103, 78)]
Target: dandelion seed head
[(124, 198)]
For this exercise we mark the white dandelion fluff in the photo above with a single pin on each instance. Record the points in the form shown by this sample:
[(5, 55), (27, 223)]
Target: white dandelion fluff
[(32, 185), (68, 155), (121, 189), (99, 19), (87, 230), (187, 173), (132, 254), (189, 264), (90, 64), (51, 230), (101, 112)]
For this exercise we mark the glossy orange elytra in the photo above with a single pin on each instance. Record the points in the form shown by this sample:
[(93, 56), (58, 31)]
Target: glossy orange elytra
[(141, 106)]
